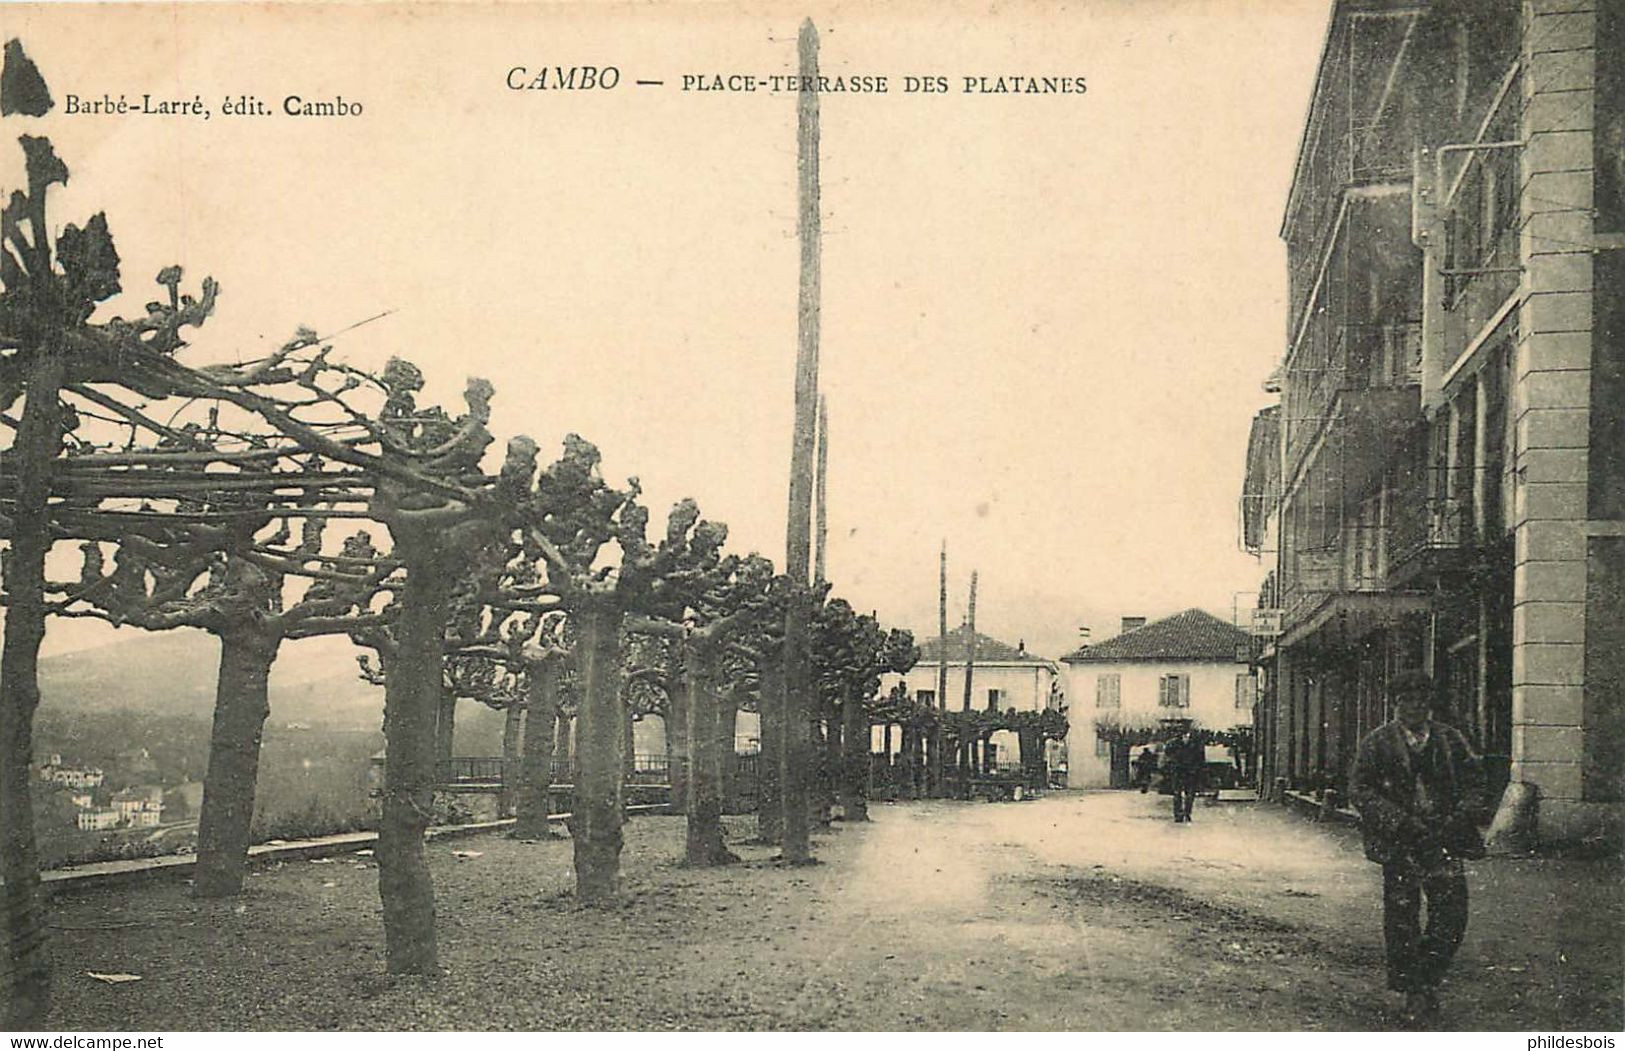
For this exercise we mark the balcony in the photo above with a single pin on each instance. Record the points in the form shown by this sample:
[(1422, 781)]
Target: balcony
[(1428, 534), (1366, 394), (1333, 600)]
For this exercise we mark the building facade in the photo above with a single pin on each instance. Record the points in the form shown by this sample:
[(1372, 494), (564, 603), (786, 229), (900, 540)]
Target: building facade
[(1002, 677), (1449, 493), (1188, 666)]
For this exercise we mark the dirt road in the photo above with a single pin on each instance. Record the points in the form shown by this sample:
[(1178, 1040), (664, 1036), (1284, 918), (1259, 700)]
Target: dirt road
[(1074, 912)]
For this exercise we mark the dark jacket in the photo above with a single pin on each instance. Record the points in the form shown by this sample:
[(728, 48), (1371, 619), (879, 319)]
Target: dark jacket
[(1383, 790), (1185, 761)]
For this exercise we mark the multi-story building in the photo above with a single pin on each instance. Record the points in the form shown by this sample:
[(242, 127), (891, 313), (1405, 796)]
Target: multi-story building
[(96, 820), (1002, 677), (57, 772), (141, 807), (1190, 666), (1450, 488)]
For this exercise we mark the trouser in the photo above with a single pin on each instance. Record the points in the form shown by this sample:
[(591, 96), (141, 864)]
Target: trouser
[(1418, 957), (1184, 798)]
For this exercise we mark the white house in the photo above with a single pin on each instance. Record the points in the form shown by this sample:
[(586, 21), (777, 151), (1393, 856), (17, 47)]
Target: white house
[(140, 807), (1181, 667), (56, 771), (1002, 677), (96, 820)]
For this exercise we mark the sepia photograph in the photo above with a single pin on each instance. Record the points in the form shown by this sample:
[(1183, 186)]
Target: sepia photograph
[(739, 516)]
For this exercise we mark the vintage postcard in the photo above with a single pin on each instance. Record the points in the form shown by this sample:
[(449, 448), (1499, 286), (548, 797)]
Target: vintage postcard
[(1103, 516)]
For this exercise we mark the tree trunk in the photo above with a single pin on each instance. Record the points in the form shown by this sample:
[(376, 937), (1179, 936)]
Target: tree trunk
[(513, 729), (629, 758), (536, 765), (241, 704), (933, 763), (27, 965), (770, 713), (705, 845), (727, 753), (830, 789), (413, 694), (905, 763), (821, 791), (678, 739), (600, 755), (855, 760), (445, 725)]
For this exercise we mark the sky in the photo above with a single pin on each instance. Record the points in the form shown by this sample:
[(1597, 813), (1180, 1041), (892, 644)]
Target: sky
[(1046, 318)]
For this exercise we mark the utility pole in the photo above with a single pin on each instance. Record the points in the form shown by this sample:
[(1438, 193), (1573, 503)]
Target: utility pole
[(970, 640), (796, 754), (972, 746), (821, 492), (937, 737)]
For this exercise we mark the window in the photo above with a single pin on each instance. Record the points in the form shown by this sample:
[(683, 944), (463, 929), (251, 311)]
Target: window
[(1109, 690), (1174, 691), (1103, 747), (994, 699), (926, 696), (1244, 690)]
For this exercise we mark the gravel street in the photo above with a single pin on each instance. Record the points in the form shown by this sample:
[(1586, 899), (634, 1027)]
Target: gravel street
[(1080, 911)]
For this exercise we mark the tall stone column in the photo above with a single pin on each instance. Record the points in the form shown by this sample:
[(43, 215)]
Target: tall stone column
[(1551, 399)]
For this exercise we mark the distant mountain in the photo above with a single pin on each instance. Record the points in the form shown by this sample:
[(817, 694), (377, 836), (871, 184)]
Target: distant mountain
[(314, 681)]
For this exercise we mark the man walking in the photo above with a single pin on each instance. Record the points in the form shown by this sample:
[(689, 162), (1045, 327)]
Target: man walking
[(1419, 787), (1187, 763)]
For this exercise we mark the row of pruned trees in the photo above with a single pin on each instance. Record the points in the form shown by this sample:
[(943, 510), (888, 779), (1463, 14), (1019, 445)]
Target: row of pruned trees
[(294, 495)]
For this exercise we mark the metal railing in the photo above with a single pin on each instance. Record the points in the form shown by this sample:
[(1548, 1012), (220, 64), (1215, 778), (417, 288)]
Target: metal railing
[(1434, 524)]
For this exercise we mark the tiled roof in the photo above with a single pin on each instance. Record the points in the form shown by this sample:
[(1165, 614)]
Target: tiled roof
[(987, 649), (1194, 635)]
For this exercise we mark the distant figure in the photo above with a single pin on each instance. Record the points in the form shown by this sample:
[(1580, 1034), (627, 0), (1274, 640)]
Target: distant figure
[(1145, 769), (1186, 761), (1419, 787)]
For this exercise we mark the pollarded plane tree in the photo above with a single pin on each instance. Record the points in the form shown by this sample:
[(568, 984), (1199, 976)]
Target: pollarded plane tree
[(717, 598), (417, 470), (240, 594), (969, 731), (915, 721), (568, 518), (850, 654), (66, 368), (689, 603), (743, 673)]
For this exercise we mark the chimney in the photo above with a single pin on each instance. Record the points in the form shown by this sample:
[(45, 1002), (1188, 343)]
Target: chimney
[(1021, 645), (1130, 623)]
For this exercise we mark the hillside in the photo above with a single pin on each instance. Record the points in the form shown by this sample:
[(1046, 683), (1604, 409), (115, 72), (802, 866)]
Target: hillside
[(173, 673)]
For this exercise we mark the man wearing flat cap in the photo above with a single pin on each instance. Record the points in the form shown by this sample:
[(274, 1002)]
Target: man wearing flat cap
[(1419, 787)]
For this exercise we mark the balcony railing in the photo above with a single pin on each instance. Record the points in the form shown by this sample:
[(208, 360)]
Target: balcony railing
[(1355, 358), (1436, 524)]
